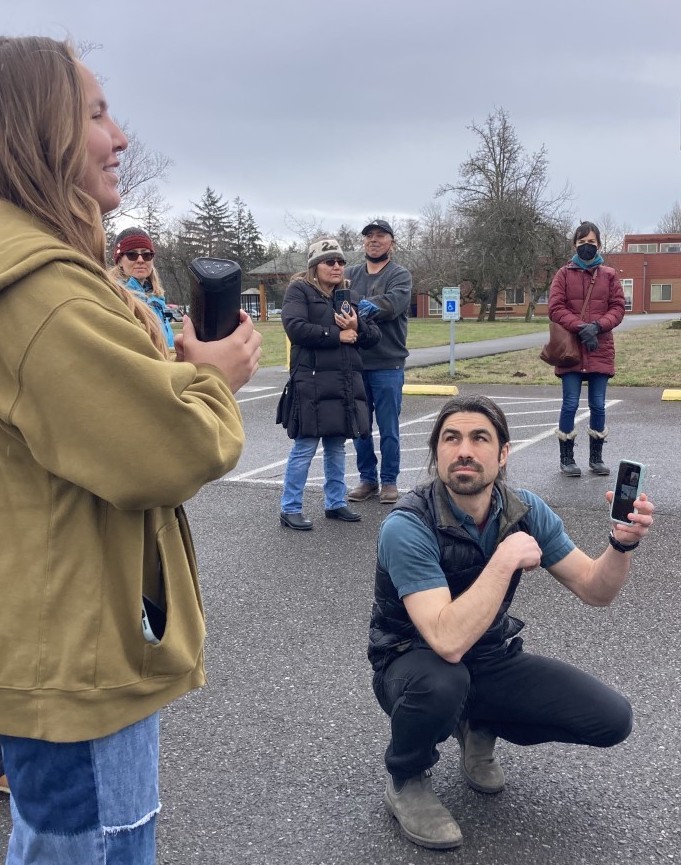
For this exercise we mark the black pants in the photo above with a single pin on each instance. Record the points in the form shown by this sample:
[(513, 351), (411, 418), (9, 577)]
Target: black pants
[(523, 698)]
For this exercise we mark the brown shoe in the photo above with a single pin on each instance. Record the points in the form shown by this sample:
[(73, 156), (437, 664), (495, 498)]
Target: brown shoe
[(4, 785), (364, 491), (389, 494)]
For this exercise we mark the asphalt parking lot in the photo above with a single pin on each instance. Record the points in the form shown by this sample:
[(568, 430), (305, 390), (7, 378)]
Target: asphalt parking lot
[(279, 760)]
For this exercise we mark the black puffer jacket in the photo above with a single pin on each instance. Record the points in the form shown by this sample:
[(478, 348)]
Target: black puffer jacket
[(462, 560), (328, 396)]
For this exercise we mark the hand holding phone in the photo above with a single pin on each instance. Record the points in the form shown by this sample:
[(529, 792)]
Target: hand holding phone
[(627, 489)]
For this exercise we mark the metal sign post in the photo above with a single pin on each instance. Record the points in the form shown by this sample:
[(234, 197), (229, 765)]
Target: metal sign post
[(451, 300)]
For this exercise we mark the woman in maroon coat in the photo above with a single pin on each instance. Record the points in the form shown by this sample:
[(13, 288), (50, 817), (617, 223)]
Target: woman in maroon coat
[(604, 311)]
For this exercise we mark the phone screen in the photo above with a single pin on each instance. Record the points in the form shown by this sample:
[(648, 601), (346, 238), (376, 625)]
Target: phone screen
[(341, 300), (629, 477)]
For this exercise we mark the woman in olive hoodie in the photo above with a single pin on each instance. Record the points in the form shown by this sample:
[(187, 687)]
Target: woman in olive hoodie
[(93, 531)]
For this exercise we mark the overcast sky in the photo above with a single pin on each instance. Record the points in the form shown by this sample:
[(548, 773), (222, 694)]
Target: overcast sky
[(344, 111)]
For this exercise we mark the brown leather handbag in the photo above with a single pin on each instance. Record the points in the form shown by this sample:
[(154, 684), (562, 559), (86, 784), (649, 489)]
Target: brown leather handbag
[(564, 347)]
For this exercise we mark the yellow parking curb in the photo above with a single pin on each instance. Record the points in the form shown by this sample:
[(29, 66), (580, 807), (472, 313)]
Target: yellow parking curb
[(671, 393), (430, 389)]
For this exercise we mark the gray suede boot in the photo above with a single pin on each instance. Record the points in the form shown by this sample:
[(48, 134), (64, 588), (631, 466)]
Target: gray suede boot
[(596, 440), (423, 819), (567, 454), (479, 765)]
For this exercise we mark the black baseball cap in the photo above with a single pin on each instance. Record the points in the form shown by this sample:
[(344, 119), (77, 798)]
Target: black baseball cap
[(381, 224)]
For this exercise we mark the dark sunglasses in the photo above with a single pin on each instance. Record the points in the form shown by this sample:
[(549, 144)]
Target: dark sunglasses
[(133, 256), (329, 262)]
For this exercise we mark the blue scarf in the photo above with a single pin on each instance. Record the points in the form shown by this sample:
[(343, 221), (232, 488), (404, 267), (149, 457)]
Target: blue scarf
[(587, 265)]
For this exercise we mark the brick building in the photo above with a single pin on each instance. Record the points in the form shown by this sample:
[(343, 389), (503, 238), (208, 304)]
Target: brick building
[(650, 272), (649, 269)]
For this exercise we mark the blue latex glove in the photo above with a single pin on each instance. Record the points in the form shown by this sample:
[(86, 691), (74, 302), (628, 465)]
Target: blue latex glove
[(588, 333), (367, 309)]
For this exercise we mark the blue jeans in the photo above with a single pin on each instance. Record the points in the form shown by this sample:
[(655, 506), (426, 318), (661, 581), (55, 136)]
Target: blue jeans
[(384, 399), (84, 803), (572, 388), (298, 465)]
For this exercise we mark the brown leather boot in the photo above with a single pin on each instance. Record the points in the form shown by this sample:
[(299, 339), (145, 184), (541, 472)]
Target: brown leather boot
[(362, 492), (389, 494)]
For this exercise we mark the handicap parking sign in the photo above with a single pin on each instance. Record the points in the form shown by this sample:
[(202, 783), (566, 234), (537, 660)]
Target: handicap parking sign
[(451, 298)]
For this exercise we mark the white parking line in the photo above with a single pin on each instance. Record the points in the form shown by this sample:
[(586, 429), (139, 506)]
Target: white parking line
[(517, 444)]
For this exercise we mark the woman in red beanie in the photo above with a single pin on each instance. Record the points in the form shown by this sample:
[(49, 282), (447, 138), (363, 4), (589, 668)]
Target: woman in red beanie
[(134, 268)]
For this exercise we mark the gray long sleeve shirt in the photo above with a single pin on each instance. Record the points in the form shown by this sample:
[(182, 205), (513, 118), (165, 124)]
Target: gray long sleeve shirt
[(390, 290)]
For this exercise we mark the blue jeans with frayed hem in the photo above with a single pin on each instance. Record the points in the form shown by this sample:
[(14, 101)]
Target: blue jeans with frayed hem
[(297, 468), (84, 803)]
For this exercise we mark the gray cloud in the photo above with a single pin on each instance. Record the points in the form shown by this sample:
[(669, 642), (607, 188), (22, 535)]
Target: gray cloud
[(353, 109)]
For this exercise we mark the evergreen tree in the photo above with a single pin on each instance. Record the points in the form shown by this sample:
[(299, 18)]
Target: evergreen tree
[(209, 231), (246, 240)]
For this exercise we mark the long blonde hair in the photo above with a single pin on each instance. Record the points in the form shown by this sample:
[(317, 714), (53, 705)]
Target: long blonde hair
[(154, 280), (43, 153)]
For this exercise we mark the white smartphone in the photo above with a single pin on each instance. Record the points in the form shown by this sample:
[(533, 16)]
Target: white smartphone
[(627, 489), (153, 621)]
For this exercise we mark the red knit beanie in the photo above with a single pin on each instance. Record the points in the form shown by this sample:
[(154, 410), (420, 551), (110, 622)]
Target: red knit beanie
[(131, 238)]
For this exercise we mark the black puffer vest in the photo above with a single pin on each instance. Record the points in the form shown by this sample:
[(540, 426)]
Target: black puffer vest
[(461, 559)]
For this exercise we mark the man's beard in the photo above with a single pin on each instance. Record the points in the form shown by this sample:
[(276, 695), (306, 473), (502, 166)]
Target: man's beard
[(468, 485)]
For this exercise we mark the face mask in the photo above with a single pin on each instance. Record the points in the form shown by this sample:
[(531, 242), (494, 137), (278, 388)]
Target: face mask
[(587, 251)]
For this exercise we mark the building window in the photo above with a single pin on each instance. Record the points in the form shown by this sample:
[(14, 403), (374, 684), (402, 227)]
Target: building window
[(660, 292), (434, 306), (628, 289), (641, 247), (670, 247), (515, 296), (543, 298)]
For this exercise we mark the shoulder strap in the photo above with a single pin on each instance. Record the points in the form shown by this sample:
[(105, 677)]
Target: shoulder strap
[(588, 294)]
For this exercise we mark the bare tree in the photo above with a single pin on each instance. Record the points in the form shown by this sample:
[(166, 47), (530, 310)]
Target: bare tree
[(348, 238), (139, 170), (502, 201), (671, 221), (612, 233), (436, 245), (306, 229), (407, 232)]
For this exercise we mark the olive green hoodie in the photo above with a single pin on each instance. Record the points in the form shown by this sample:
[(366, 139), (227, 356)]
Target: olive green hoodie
[(101, 440)]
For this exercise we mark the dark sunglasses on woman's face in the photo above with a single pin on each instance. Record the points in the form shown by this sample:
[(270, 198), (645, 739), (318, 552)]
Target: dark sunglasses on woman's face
[(133, 256), (329, 262)]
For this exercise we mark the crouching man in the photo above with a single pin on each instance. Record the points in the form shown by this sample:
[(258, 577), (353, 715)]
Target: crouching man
[(446, 656)]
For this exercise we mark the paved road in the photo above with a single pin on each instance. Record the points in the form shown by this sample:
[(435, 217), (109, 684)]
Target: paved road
[(279, 760)]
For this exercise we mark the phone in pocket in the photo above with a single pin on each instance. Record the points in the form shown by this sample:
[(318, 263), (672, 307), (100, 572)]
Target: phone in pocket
[(629, 484), (153, 621)]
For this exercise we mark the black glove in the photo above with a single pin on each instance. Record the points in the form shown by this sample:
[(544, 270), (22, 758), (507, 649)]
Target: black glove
[(588, 333)]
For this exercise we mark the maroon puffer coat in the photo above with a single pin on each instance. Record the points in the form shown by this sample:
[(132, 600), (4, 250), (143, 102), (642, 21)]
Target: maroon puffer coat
[(606, 306)]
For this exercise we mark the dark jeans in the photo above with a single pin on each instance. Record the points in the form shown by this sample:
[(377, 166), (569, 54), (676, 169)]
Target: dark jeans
[(597, 384), (525, 699)]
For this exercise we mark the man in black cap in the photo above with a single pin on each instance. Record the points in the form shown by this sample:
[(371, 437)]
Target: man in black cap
[(385, 289)]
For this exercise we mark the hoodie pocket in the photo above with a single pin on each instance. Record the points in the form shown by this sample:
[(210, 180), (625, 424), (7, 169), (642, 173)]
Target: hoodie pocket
[(179, 651)]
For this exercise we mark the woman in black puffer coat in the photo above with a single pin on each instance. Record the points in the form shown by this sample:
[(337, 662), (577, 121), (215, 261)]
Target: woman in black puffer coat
[(327, 400)]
